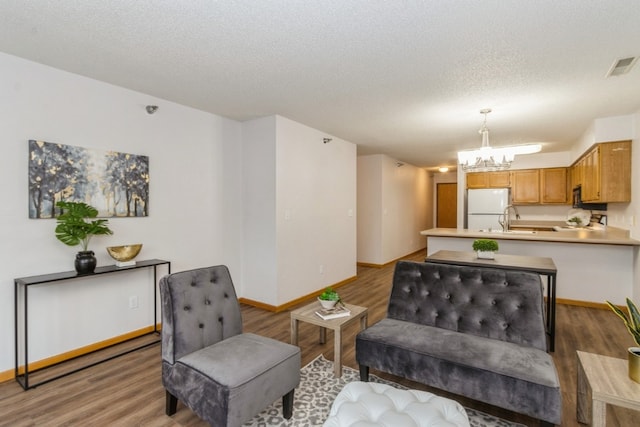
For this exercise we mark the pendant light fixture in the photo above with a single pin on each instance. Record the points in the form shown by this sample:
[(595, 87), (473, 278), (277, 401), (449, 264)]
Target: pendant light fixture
[(491, 159)]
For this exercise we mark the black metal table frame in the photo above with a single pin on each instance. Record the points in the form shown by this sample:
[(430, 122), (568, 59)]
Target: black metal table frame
[(23, 378), (550, 273)]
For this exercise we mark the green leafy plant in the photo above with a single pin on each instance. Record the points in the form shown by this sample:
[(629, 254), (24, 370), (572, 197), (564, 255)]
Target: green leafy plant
[(632, 322), (575, 220), (485, 245), (73, 229), (329, 295)]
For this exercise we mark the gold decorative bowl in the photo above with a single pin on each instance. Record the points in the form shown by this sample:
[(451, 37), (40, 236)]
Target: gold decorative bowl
[(124, 253)]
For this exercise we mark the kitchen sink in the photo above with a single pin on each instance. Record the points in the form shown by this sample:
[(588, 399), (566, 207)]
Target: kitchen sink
[(508, 231)]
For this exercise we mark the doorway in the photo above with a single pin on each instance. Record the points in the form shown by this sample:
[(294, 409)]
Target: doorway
[(447, 205)]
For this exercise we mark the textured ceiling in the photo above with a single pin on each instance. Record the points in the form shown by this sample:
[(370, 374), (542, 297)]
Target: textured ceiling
[(403, 78)]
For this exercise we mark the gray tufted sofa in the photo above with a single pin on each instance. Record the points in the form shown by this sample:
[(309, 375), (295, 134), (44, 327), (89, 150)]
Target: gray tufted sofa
[(473, 331)]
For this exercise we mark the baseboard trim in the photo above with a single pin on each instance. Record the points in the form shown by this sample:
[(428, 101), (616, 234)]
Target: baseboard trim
[(588, 304), (81, 351), (289, 304), (366, 264)]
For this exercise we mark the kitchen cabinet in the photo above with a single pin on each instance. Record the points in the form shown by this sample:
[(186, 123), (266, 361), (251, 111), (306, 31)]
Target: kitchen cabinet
[(606, 172), (525, 186), (554, 186), (500, 179)]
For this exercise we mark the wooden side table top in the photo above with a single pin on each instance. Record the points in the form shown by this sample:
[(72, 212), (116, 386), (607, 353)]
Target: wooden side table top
[(308, 314), (609, 380)]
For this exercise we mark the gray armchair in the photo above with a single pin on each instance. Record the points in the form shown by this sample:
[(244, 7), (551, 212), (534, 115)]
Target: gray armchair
[(223, 375)]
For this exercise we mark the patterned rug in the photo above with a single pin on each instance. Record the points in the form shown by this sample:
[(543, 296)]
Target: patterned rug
[(317, 391)]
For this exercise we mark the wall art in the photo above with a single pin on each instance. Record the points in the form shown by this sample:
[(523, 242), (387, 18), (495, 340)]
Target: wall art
[(117, 184)]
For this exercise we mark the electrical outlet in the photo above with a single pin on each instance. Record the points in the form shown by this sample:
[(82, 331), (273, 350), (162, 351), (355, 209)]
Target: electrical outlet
[(133, 301), (321, 269)]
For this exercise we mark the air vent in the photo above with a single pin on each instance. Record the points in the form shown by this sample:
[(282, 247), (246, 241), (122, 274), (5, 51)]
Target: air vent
[(622, 66)]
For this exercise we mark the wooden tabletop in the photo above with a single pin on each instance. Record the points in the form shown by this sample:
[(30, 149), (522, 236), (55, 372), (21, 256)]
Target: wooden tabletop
[(539, 265)]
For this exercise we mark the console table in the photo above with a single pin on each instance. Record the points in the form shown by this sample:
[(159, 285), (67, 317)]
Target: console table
[(539, 265), (21, 301)]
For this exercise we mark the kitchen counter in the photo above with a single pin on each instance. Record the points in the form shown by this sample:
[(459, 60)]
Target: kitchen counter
[(594, 264), (598, 236)]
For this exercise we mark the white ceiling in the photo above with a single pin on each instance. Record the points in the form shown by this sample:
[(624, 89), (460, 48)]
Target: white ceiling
[(398, 77)]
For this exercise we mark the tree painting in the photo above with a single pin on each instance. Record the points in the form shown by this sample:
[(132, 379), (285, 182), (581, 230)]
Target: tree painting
[(117, 184)]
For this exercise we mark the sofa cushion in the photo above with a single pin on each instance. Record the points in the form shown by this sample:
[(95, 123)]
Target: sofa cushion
[(512, 376), (500, 304)]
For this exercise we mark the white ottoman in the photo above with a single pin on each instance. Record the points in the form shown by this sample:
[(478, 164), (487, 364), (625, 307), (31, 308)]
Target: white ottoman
[(371, 404)]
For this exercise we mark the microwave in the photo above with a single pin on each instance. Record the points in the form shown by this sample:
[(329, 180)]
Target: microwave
[(578, 204)]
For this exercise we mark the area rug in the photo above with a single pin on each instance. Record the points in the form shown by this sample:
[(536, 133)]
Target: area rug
[(318, 389)]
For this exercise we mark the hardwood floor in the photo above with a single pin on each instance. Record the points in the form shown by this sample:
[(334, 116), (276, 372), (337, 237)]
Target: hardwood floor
[(127, 391)]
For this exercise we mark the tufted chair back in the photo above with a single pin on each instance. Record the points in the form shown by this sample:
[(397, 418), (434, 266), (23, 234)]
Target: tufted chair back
[(488, 302), (199, 308)]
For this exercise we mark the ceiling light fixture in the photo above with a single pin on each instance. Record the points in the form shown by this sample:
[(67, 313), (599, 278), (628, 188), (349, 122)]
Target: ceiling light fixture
[(491, 159), (443, 169)]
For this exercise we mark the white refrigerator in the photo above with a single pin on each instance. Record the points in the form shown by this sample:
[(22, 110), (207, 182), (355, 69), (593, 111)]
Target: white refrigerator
[(485, 208)]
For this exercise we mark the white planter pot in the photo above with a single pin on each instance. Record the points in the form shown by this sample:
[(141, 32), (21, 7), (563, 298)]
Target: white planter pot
[(486, 254), (327, 304)]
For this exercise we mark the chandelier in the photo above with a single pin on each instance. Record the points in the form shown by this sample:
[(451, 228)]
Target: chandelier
[(491, 159)]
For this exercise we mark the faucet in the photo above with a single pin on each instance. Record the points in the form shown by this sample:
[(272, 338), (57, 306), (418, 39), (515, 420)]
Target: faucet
[(506, 222)]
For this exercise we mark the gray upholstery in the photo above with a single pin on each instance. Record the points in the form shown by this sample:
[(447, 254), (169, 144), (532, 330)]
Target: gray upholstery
[(221, 374), (474, 331)]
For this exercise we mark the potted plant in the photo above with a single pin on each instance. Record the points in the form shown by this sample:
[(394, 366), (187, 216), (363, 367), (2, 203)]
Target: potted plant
[(633, 326), (329, 298), (485, 248), (74, 229)]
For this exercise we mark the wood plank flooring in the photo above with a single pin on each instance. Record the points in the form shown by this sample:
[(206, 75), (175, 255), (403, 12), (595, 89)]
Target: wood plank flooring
[(127, 391)]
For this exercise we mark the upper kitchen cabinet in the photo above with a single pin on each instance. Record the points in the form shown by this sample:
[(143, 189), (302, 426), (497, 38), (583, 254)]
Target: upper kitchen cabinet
[(554, 186), (606, 173), (525, 186), (499, 179)]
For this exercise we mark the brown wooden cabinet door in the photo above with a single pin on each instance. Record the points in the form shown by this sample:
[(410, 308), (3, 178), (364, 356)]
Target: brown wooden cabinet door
[(525, 186), (499, 179), (477, 180), (615, 171), (554, 185), (591, 183)]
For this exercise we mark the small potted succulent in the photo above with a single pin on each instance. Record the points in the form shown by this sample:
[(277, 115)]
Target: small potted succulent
[(485, 248), (633, 326), (329, 298), (76, 226)]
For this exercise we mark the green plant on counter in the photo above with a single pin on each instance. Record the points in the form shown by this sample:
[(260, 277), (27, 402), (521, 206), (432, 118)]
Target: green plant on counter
[(575, 220), (632, 322), (485, 245)]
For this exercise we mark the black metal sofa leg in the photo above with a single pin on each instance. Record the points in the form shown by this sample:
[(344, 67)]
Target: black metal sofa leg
[(546, 424), (287, 405), (171, 404), (364, 373)]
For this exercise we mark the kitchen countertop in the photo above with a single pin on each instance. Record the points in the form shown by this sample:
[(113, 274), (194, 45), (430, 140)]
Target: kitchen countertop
[(599, 236)]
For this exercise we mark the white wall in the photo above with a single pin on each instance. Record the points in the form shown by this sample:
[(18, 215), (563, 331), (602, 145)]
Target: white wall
[(194, 187), (300, 210), (403, 209), (315, 209), (370, 209), (259, 269)]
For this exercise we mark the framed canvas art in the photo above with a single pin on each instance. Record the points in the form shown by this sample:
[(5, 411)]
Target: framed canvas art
[(117, 184)]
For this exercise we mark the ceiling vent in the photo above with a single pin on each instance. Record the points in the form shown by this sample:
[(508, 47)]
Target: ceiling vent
[(622, 66)]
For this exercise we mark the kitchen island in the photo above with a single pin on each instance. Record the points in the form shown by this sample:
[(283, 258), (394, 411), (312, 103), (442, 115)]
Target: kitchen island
[(594, 264)]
